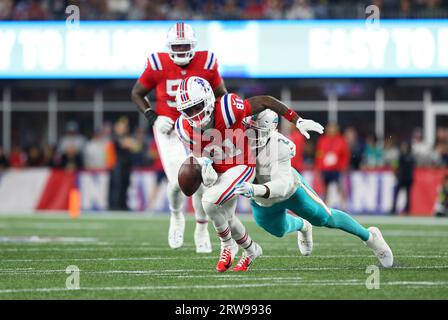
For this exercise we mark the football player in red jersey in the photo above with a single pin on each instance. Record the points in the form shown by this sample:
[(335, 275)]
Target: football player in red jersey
[(164, 72), (214, 132)]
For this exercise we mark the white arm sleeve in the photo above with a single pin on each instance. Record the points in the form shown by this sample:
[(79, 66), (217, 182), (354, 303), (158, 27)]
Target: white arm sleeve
[(281, 184)]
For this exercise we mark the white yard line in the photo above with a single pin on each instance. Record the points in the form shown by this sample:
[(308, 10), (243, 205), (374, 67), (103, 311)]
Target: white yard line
[(202, 257), (211, 271), (353, 282)]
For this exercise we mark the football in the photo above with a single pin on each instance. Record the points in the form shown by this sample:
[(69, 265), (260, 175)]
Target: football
[(189, 176)]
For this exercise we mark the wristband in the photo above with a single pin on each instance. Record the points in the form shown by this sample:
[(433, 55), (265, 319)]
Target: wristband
[(290, 114), (151, 116)]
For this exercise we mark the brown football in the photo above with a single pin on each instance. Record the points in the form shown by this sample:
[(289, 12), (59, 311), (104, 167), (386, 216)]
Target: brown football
[(189, 176)]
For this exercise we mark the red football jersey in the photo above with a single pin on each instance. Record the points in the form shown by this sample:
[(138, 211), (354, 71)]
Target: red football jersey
[(225, 142), (165, 76)]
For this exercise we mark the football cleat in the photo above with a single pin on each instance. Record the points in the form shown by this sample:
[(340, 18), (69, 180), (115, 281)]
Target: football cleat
[(305, 239), (380, 248), (176, 232), (246, 259), (202, 241), (226, 257)]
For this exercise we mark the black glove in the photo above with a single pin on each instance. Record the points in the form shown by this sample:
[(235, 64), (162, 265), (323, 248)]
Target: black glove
[(151, 116)]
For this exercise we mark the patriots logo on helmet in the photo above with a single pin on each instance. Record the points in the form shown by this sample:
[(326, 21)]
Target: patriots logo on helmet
[(201, 82)]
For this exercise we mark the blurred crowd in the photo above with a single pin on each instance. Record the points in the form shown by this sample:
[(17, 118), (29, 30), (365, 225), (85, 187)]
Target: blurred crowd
[(218, 9), (116, 149), (75, 151)]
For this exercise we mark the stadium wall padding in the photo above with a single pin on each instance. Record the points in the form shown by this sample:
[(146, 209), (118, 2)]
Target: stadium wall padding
[(369, 192)]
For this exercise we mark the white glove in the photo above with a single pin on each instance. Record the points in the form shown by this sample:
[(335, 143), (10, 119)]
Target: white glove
[(164, 124), (308, 125), (209, 175), (250, 190)]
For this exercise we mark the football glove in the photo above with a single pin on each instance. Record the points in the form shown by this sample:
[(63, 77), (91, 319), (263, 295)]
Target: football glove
[(250, 190), (164, 124), (151, 116), (209, 175), (305, 125)]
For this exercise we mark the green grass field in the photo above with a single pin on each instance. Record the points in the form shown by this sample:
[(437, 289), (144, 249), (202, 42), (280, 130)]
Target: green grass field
[(127, 257)]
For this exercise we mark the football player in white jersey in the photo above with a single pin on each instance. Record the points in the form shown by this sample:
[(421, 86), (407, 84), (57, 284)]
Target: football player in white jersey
[(280, 188)]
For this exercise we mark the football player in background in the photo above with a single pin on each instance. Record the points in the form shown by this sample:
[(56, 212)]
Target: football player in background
[(280, 188), (164, 72), (214, 132)]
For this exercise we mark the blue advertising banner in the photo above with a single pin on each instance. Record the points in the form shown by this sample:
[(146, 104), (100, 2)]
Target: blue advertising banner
[(247, 49)]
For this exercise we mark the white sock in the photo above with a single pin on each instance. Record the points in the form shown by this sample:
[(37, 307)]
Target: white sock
[(175, 200), (240, 235)]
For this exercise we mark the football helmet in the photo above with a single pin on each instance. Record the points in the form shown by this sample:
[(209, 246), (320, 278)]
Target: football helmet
[(181, 42), (260, 127), (195, 101)]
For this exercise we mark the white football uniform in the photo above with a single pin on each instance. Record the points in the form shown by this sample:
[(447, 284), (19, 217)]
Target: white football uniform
[(172, 153), (274, 169)]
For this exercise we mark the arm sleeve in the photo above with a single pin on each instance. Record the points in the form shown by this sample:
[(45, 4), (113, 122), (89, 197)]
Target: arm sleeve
[(281, 184), (148, 77), (281, 173)]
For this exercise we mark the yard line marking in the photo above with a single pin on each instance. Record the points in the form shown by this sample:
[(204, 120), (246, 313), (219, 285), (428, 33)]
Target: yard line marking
[(172, 272), (52, 225), (202, 257), (353, 282)]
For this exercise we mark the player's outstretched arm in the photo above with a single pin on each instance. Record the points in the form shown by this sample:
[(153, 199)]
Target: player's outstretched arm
[(138, 96), (277, 187), (261, 103)]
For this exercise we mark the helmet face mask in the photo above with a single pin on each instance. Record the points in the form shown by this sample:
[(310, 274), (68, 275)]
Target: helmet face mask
[(197, 115), (181, 42), (195, 101), (259, 128)]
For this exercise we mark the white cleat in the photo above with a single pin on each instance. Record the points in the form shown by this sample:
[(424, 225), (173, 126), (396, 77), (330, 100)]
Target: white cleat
[(379, 247), (305, 239), (202, 241), (176, 232)]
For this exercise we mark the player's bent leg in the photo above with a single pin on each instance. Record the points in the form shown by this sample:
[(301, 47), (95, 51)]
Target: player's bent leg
[(343, 221), (201, 234), (275, 219), (213, 202), (177, 219), (308, 205), (229, 248)]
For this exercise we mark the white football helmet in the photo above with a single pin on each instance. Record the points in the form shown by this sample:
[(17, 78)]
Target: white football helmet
[(181, 41), (195, 101), (260, 127)]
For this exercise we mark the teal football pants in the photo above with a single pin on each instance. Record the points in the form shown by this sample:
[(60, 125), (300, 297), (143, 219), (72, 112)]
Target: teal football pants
[(306, 204)]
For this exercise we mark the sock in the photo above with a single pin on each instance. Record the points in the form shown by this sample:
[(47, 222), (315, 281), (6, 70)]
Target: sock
[(201, 226), (240, 235), (343, 221), (201, 216), (220, 224), (225, 236), (293, 223), (175, 200)]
